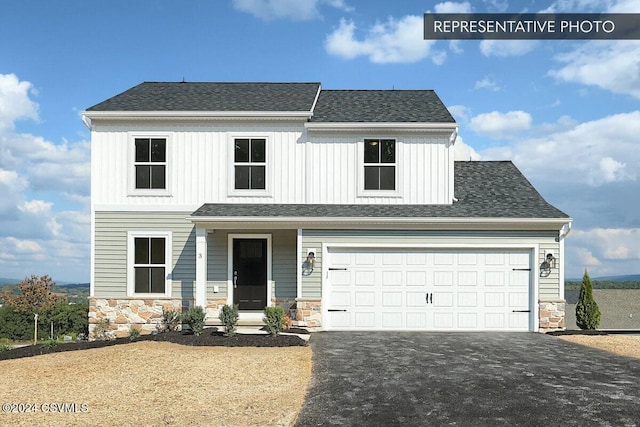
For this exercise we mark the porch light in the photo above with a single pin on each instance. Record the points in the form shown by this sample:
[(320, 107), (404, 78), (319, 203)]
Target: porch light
[(309, 262), (547, 265)]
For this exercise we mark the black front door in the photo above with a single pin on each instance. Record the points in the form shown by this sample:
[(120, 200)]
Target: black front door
[(250, 273)]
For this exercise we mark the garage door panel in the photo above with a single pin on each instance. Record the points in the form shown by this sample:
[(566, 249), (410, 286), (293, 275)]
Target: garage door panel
[(467, 299), (416, 278), (392, 299), (365, 299), (365, 320), (365, 278), (391, 278), (428, 289), (467, 278), (443, 278)]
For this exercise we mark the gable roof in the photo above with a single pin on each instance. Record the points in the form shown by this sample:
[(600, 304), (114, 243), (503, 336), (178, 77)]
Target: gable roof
[(213, 96), (321, 106), (421, 106), (488, 189)]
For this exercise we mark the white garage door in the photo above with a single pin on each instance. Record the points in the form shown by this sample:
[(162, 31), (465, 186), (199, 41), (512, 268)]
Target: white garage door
[(427, 290)]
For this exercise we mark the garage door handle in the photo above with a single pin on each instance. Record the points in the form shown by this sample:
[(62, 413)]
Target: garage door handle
[(521, 269), (429, 298), (337, 269), (332, 309), (521, 311)]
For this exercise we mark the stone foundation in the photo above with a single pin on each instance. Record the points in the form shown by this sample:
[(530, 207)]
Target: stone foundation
[(309, 313), (125, 314), (552, 315)]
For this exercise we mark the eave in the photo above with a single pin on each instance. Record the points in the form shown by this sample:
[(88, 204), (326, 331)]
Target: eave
[(191, 115), (387, 126), (436, 223)]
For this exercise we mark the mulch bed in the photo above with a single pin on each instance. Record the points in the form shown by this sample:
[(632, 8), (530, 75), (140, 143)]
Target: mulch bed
[(210, 337)]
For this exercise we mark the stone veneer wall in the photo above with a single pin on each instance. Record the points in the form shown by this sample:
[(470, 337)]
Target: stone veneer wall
[(552, 315), (125, 314), (309, 313)]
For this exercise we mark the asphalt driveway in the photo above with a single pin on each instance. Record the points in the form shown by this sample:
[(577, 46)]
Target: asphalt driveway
[(467, 379)]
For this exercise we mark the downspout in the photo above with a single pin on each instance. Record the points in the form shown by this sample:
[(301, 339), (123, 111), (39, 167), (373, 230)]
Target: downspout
[(564, 231)]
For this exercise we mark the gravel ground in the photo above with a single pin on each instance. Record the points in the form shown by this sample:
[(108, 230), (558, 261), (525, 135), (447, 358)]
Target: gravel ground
[(625, 345), (157, 384)]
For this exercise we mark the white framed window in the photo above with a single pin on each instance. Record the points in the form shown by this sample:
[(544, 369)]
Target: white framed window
[(149, 258), (379, 167), (251, 165), (149, 164)]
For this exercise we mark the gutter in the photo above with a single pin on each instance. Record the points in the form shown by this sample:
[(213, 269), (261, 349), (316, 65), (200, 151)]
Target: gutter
[(87, 122)]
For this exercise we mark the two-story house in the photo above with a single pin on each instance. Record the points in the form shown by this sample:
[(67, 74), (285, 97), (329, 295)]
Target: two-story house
[(346, 207)]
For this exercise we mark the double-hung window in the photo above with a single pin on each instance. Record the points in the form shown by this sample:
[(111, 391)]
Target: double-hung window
[(250, 162), (149, 263), (150, 163), (379, 164)]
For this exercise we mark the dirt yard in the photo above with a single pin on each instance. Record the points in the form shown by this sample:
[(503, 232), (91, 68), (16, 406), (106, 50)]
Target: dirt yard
[(157, 384), (625, 345)]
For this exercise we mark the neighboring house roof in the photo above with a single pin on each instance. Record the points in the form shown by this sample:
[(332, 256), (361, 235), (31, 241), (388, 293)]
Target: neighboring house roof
[(389, 106), (619, 308), (211, 96), (332, 106), (483, 189)]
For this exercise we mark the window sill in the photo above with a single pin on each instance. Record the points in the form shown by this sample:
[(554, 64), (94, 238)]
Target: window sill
[(249, 193), (379, 193), (147, 193)]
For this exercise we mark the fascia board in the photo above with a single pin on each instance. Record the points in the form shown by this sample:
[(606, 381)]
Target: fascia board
[(358, 126), (197, 114)]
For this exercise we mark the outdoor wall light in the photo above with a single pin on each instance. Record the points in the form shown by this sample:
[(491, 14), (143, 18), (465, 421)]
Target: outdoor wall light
[(546, 266), (308, 264)]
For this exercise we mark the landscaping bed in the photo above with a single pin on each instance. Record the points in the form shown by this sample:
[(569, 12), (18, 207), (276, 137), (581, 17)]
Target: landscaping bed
[(209, 337)]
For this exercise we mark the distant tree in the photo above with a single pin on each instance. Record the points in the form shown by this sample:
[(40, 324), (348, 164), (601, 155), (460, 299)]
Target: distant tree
[(36, 297), (587, 311)]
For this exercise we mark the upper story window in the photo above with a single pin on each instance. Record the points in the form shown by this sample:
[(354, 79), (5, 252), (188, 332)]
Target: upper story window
[(150, 163), (250, 161), (379, 164)]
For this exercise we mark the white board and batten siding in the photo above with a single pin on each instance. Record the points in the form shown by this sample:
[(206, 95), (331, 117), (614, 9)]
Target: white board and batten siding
[(302, 166)]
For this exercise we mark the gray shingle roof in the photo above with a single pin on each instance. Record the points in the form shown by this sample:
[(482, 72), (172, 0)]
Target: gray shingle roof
[(422, 106), (483, 189), (211, 96), (407, 106)]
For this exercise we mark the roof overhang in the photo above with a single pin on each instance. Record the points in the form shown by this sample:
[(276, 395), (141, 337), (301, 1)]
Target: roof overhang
[(191, 115), (387, 126), (435, 223)]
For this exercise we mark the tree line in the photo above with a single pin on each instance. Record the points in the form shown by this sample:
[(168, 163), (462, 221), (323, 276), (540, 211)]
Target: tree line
[(35, 307)]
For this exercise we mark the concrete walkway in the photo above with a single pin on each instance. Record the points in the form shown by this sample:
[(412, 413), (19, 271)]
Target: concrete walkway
[(467, 379)]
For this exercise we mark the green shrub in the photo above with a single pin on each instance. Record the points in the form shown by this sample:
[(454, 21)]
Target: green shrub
[(49, 343), (587, 311), (194, 317), (171, 320), (134, 333), (5, 347), (274, 319), (102, 331), (229, 318)]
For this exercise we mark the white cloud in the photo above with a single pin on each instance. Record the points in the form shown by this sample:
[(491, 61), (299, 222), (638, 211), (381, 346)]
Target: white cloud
[(459, 112), (594, 153), (500, 125), (609, 65), (14, 101), (464, 152), (36, 236), (453, 7), (394, 41), (610, 243), (503, 48), (487, 83), (295, 10)]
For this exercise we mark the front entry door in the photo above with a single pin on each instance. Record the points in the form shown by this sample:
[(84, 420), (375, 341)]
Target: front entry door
[(250, 273)]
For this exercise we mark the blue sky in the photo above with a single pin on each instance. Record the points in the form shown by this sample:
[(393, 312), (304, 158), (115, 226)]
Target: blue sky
[(567, 113)]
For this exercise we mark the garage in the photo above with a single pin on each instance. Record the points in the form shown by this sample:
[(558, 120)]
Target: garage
[(427, 289)]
